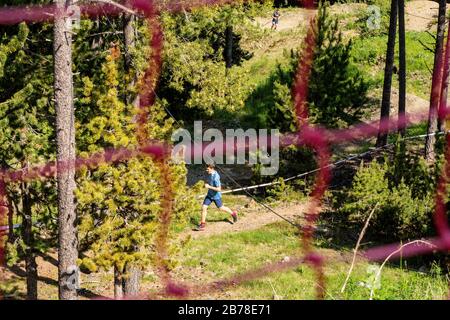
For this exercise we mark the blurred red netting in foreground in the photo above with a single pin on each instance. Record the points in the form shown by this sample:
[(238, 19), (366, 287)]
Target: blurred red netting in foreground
[(316, 138)]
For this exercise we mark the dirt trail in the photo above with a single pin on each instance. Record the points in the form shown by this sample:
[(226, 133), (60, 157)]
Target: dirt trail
[(295, 17), (414, 104), (288, 20), (251, 219), (421, 15)]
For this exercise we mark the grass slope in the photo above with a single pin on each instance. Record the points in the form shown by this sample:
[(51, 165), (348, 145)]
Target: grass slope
[(210, 259)]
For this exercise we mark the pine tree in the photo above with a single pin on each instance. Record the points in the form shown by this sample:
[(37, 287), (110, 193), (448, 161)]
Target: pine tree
[(337, 90), (65, 135), (26, 132), (131, 283), (197, 48), (119, 203)]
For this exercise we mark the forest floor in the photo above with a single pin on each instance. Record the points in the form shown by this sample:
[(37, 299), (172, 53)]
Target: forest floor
[(259, 238), (421, 15), (251, 217)]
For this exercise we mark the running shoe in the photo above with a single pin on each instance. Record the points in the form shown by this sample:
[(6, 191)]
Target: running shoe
[(234, 216), (201, 227)]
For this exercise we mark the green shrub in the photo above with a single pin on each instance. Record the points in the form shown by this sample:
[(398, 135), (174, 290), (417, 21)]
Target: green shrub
[(293, 160), (10, 289), (284, 192), (400, 212)]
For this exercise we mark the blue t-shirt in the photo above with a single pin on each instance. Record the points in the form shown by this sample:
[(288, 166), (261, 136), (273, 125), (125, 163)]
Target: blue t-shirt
[(214, 181), (275, 16)]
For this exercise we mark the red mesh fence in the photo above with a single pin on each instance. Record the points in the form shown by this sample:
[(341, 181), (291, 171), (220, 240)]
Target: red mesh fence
[(316, 138)]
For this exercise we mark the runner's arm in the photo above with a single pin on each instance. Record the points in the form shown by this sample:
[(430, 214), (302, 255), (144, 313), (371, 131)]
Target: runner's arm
[(218, 189)]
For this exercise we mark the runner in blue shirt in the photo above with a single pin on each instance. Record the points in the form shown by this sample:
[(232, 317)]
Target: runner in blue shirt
[(213, 195), (276, 15)]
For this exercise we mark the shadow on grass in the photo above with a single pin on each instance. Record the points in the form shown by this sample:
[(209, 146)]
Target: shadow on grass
[(48, 258), (86, 293), (196, 221), (23, 274)]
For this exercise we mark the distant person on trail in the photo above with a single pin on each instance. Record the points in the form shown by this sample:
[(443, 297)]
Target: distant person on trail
[(214, 187), (275, 17)]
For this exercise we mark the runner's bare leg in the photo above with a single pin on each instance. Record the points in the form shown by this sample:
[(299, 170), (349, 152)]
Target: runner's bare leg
[(204, 212), (226, 209)]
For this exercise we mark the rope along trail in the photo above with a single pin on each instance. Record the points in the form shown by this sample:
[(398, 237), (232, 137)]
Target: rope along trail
[(335, 164), (301, 175)]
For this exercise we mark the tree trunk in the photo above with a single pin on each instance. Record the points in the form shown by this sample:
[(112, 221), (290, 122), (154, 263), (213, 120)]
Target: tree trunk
[(402, 68), (97, 40), (118, 293), (229, 47), (129, 44), (131, 283), (444, 88), (386, 99), (3, 209), (11, 236), (28, 238), (65, 135), (436, 84), (129, 39)]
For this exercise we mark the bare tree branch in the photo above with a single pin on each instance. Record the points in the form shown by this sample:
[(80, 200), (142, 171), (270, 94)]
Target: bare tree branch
[(118, 5), (355, 251), (425, 46), (394, 252), (104, 33), (430, 34)]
